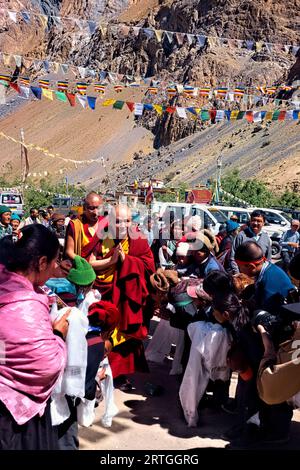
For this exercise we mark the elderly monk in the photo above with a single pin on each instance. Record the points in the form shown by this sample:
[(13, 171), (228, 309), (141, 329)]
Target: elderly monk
[(123, 262), (125, 283)]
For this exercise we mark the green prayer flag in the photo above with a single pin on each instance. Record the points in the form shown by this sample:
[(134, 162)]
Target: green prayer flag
[(61, 96), (276, 115), (241, 115), (205, 115), (118, 104)]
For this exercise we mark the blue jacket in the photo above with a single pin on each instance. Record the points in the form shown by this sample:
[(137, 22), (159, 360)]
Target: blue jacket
[(272, 288)]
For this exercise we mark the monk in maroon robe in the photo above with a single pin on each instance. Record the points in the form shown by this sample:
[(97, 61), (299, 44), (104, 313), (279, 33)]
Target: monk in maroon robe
[(123, 263)]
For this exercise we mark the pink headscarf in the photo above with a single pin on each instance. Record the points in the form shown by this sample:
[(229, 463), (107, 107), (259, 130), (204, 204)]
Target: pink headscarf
[(31, 356)]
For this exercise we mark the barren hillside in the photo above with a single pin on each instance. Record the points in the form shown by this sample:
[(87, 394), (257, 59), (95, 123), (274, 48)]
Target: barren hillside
[(185, 150)]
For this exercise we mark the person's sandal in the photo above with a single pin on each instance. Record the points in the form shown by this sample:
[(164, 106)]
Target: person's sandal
[(126, 387)]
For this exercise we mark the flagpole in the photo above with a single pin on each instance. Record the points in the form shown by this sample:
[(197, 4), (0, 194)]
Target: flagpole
[(24, 160), (22, 140)]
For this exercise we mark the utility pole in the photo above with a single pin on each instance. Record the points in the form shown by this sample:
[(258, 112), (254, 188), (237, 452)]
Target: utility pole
[(24, 159), (67, 185), (218, 180)]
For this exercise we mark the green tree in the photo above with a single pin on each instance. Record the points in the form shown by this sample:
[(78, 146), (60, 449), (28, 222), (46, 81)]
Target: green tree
[(253, 191), (175, 192), (42, 194)]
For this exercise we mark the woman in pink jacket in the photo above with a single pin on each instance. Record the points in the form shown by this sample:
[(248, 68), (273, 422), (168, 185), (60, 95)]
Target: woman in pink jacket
[(32, 351)]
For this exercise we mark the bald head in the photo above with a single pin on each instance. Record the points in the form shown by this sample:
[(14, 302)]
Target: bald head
[(93, 197), (123, 211), (249, 252), (123, 220), (92, 204)]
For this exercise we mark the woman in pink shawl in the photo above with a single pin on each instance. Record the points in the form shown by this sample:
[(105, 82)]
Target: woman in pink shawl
[(32, 351)]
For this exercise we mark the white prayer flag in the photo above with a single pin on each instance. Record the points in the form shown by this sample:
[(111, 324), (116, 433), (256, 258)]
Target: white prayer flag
[(289, 115), (12, 15), (169, 36), (18, 60), (82, 100), (257, 116), (190, 38), (220, 115), (82, 71), (24, 92), (181, 112), (138, 109)]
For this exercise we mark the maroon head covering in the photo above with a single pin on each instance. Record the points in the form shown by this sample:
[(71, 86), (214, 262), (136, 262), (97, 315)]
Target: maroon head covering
[(104, 315)]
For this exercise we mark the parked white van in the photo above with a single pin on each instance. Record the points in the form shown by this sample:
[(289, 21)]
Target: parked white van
[(277, 222), (211, 217), (275, 219), (13, 200)]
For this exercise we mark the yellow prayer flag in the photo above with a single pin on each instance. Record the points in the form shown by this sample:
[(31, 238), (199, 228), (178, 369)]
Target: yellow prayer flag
[(6, 59), (27, 63), (55, 67), (158, 34), (259, 46), (103, 29), (234, 114), (47, 93), (158, 109), (44, 20), (269, 116), (198, 110), (108, 102)]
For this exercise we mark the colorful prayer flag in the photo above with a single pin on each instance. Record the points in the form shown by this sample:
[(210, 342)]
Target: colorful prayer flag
[(130, 105), (15, 86), (91, 102), (47, 94), (204, 91), (81, 87), (72, 98), (221, 92), (152, 90), (37, 91), (24, 81), (118, 104), (63, 85), (158, 108), (61, 96), (82, 100), (108, 102), (44, 83), (138, 109), (99, 88), (6, 79)]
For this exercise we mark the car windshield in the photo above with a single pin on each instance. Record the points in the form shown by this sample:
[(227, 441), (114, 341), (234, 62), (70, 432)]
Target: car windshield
[(221, 218), (11, 199), (286, 216)]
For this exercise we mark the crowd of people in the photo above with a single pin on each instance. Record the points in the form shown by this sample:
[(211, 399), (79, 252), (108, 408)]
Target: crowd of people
[(80, 292)]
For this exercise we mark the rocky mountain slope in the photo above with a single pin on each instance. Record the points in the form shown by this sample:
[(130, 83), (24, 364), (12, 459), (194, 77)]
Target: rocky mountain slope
[(186, 150)]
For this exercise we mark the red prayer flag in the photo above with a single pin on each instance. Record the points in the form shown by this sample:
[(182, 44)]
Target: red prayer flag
[(71, 98), (249, 116), (282, 114), (213, 114), (130, 105), (171, 109), (15, 86)]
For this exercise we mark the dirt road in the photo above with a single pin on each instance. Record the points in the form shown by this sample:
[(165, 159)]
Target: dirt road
[(157, 423)]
